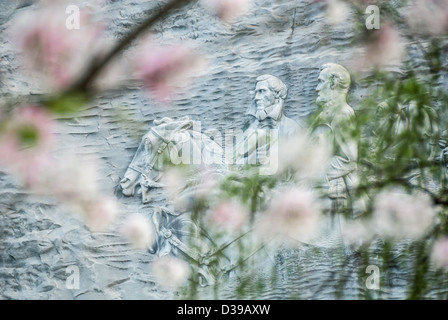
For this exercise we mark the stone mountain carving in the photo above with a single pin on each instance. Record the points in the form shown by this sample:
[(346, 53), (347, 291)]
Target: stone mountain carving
[(174, 141), (177, 141)]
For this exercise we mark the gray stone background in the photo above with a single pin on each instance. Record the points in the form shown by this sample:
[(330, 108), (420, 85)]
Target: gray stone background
[(39, 238)]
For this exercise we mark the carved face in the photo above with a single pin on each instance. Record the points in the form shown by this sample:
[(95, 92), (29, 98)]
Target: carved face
[(324, 87), (264, 95)]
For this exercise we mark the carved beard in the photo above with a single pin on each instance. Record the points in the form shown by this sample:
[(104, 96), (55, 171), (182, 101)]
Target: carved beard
[(261, 115), (267, 123), (321, 100), (265, 113)]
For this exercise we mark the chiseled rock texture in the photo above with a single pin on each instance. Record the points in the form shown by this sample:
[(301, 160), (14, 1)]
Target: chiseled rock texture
[(39, 238)]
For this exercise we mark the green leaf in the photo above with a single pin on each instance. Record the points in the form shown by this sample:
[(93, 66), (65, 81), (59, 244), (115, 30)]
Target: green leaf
[(67, 104), (28, 136)]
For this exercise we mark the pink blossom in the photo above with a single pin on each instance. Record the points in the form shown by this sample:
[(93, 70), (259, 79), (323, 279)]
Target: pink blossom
[(26, 139), (439, 254), (170, 272), (227, 10), (92, 3), (51, 49), (294, 213), (162, 69), (230, 215), (139, 230), (74, 181), (70, 179), (26, 142), (384, 49)]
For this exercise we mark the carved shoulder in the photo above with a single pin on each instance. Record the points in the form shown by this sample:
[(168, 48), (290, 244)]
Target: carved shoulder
[(346, 115)]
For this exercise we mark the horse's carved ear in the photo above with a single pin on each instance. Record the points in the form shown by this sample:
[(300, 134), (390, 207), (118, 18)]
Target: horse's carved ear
[(166, 120), (185, 125), (186, 118), (179, 125)]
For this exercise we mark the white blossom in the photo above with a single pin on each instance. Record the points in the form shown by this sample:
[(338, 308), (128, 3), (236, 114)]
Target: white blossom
[(174, 181), (439, 254), (139, 230), (293, 213), (307, 158), (98, 214), (336, 12), (397, 214), (170, 272)]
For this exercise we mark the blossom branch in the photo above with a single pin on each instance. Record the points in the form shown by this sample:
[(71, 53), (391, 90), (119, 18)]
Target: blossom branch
[(99, 62)]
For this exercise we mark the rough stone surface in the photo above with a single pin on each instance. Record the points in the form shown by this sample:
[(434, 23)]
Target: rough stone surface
[(39, 238)]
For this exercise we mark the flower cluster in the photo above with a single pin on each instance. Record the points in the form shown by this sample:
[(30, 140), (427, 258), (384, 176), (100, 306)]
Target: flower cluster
[(229, 215), (52, 50), (227, 10), (163, 69), (26, 139), (429, 16), (73, 180), (396, 215), (439, 254), (139, 230), (170, 272), (337, 12), (307, 158), (385, 49), (294, 214)]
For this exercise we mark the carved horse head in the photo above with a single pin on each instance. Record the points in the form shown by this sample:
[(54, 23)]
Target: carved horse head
[(145, 168), (164, 141)]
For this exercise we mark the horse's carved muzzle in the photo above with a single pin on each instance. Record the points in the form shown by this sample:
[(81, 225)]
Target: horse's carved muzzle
[(129, 182)]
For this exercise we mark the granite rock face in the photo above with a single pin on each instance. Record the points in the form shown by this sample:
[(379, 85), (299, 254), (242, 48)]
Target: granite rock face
[(39, 238)]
